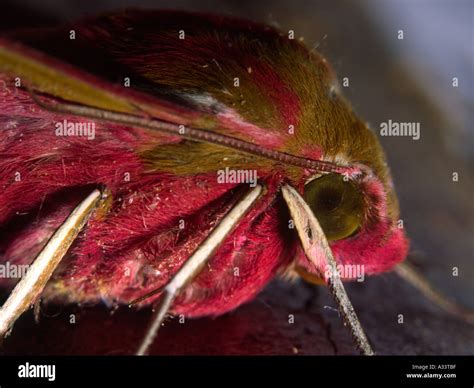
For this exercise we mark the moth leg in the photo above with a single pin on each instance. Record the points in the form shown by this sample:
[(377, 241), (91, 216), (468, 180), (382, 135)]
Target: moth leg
[(407, 272), (27, 290), (194, 265), (318, 251)]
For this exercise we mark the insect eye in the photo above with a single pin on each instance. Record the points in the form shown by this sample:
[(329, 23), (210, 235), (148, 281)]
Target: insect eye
[(338, 205)]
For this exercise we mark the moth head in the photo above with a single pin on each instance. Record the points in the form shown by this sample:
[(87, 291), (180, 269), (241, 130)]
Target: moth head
[(364, 235)]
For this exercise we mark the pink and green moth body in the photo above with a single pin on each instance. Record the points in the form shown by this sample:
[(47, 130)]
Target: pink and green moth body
[(237, 78)]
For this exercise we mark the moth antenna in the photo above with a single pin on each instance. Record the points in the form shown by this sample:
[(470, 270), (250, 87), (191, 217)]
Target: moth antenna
[(195, 134), (408, 273), (32, 284), (194, 265), (317, 250)]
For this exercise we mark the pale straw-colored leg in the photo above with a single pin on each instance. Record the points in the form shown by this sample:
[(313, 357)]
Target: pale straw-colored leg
[(194, 265), (412, 276), (318, 252), (28, 289)]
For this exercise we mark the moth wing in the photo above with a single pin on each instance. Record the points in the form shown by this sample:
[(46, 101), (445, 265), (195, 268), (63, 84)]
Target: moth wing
[(51, 76)]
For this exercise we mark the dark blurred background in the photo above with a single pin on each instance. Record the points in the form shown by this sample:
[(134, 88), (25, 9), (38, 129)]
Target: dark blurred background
[(402, 80)]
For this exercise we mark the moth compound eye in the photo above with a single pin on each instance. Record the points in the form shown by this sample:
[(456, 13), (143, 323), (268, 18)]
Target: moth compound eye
[(337, 204)]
